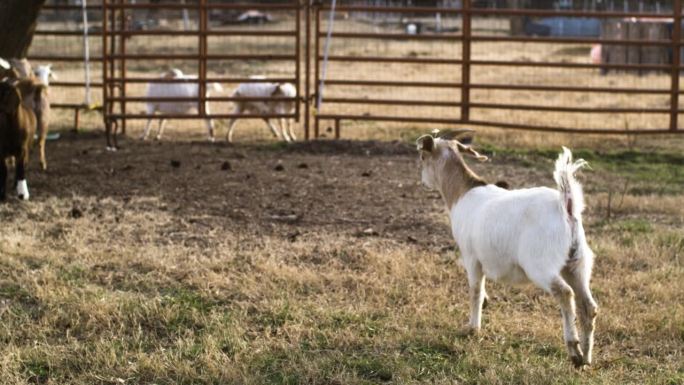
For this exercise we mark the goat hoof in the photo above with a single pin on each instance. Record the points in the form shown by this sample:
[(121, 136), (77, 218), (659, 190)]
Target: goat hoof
[(575, 354), (468, 331)]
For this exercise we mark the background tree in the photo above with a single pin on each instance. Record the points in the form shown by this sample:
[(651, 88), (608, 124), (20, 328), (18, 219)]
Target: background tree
[(18, 19)]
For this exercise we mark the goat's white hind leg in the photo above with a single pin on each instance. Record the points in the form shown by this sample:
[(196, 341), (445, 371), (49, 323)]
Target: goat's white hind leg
[(565, 296), (586, 309), (476, 286)]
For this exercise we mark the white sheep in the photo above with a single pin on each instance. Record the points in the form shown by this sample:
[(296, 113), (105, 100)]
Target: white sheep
[(284, 126), (516, 236), (189, 89)]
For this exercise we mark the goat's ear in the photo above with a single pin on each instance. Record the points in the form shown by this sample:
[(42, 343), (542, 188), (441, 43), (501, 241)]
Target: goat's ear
[(277, 90), (425, 143), (469, 151)]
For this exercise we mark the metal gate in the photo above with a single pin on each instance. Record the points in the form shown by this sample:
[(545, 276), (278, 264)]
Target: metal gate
[(448, 63), (194, 38)]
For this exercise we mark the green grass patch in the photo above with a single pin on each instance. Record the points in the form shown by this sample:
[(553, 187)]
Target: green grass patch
[(646, 172)]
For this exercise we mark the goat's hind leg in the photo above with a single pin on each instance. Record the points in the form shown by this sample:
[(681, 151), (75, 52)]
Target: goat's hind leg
[(20, 178), (563, 292), (476, 288), (586, 308)]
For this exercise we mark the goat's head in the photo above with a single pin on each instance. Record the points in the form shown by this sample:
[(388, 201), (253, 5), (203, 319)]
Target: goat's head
[(45, 73), (10, 98), (441, 156), (22, 67)]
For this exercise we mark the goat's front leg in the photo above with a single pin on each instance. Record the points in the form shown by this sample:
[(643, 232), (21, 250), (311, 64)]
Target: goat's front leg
[(3, 179), (20, 178), (476, 283), (565, 296)]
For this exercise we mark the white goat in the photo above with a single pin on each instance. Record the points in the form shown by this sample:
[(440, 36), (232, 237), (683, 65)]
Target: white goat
[(44, 74), (176, 90), (516, 236), (284, 126)]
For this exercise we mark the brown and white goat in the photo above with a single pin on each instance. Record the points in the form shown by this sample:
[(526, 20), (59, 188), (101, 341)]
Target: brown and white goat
[(518, 236), (34, 94), (17, 128)]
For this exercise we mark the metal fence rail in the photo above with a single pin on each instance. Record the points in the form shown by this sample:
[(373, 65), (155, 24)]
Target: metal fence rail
[(117, 58), (459, 89), (56, 36), (467, 39)]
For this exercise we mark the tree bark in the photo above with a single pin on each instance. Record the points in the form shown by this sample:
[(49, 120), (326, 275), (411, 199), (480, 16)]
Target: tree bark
[(18, 19)]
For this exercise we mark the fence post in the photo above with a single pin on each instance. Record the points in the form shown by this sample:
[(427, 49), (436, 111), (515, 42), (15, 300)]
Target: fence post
[(122, 70), (202, 73), (105, 81), (676, 60), (298, 56), (307, 69), (465, 65)]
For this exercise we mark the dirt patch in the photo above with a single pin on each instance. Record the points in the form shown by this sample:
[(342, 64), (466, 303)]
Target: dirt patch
[(361, 188)]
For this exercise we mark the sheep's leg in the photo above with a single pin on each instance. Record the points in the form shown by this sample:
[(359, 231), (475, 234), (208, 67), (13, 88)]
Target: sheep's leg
[(587, 309), (20, 178), (565, 296), (162, 126), (476, 283), (290, 125), (231, 127), (273, 128), (3, 179), (146, 132), (210, 123), (283, 129), (233, 122), (210, 129)]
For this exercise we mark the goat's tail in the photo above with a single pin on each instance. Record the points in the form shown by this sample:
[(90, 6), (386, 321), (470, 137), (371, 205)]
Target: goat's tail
[(570, 189)]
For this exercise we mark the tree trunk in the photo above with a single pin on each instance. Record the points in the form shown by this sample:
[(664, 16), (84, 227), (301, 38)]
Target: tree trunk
[(18, 19)]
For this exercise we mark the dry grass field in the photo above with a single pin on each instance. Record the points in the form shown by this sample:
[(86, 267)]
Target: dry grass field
[(325, 262)]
